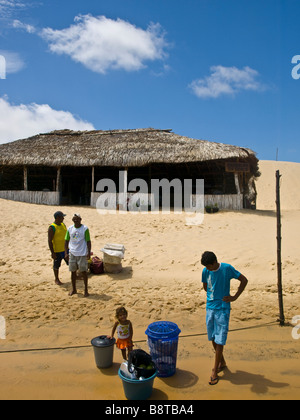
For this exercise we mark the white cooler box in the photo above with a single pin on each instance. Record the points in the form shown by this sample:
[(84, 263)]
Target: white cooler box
[(112, 256)]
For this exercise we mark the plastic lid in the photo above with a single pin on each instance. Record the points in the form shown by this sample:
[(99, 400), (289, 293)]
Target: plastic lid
[(163, 330), (103, 341)]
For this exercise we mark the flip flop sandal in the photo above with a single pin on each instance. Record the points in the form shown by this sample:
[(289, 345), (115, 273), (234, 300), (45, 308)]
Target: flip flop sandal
[(213, 381)]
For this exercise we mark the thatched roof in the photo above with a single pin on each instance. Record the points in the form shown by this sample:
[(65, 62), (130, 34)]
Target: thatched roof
[(120, 148)]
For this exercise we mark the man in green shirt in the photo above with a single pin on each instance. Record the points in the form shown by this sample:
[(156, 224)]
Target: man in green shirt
[(56, 241)]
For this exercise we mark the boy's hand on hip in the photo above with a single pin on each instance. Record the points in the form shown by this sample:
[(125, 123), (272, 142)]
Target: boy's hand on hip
[(229, 299)]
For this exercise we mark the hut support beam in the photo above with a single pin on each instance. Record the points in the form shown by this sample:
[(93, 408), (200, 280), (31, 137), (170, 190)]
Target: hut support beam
[(93, 179), (58, 179), (237, 184), (25, 179)]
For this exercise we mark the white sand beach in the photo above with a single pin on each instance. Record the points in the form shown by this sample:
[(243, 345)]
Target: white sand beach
[(161, 280)]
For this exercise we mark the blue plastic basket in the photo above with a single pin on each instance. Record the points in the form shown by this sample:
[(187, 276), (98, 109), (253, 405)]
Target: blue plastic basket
[(163, 345)]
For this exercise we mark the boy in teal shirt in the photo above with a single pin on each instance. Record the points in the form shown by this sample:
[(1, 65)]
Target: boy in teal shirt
[(216, 282)]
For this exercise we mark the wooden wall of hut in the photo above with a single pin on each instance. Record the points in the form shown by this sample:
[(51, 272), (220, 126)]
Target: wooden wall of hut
[(51, 198), (223, 201)]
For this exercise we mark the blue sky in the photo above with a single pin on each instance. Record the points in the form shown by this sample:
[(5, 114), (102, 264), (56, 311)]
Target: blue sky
[(207, 69)]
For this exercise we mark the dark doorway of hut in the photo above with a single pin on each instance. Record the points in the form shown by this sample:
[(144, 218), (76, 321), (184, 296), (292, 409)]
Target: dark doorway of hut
[(76, 186)]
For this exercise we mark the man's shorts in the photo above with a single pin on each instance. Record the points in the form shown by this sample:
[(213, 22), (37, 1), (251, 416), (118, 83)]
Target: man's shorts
[(78, 263), (217, 323), (57, 262)]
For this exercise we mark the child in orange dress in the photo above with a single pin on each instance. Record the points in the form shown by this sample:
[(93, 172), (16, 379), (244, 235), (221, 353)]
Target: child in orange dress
[(124, 332)]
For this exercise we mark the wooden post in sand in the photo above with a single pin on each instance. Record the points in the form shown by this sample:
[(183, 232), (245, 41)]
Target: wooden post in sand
[(279, 265)]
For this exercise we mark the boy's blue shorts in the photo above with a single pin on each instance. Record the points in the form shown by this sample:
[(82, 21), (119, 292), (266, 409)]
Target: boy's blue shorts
[(217, 323)]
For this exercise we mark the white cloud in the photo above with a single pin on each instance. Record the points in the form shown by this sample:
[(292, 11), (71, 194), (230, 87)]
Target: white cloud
[(17, 24), (13, 63), (226, 81), (101, 44), (7, 7), (22, 121)]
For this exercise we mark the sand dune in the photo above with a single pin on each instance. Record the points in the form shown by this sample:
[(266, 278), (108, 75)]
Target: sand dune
[(160, 281), (289, 185)]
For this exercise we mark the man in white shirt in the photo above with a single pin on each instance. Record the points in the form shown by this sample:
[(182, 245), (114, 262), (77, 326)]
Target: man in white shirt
[(78, 242)]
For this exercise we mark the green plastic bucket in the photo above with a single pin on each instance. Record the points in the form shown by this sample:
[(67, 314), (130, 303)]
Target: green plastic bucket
[(135, 389)]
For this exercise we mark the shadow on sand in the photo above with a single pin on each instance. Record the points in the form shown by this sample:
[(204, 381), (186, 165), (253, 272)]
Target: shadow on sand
[(259, 384), (181, 379)]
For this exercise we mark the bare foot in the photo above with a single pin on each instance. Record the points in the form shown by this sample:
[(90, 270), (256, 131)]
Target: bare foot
[(86, 294), (74, 292), (58, 282)]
